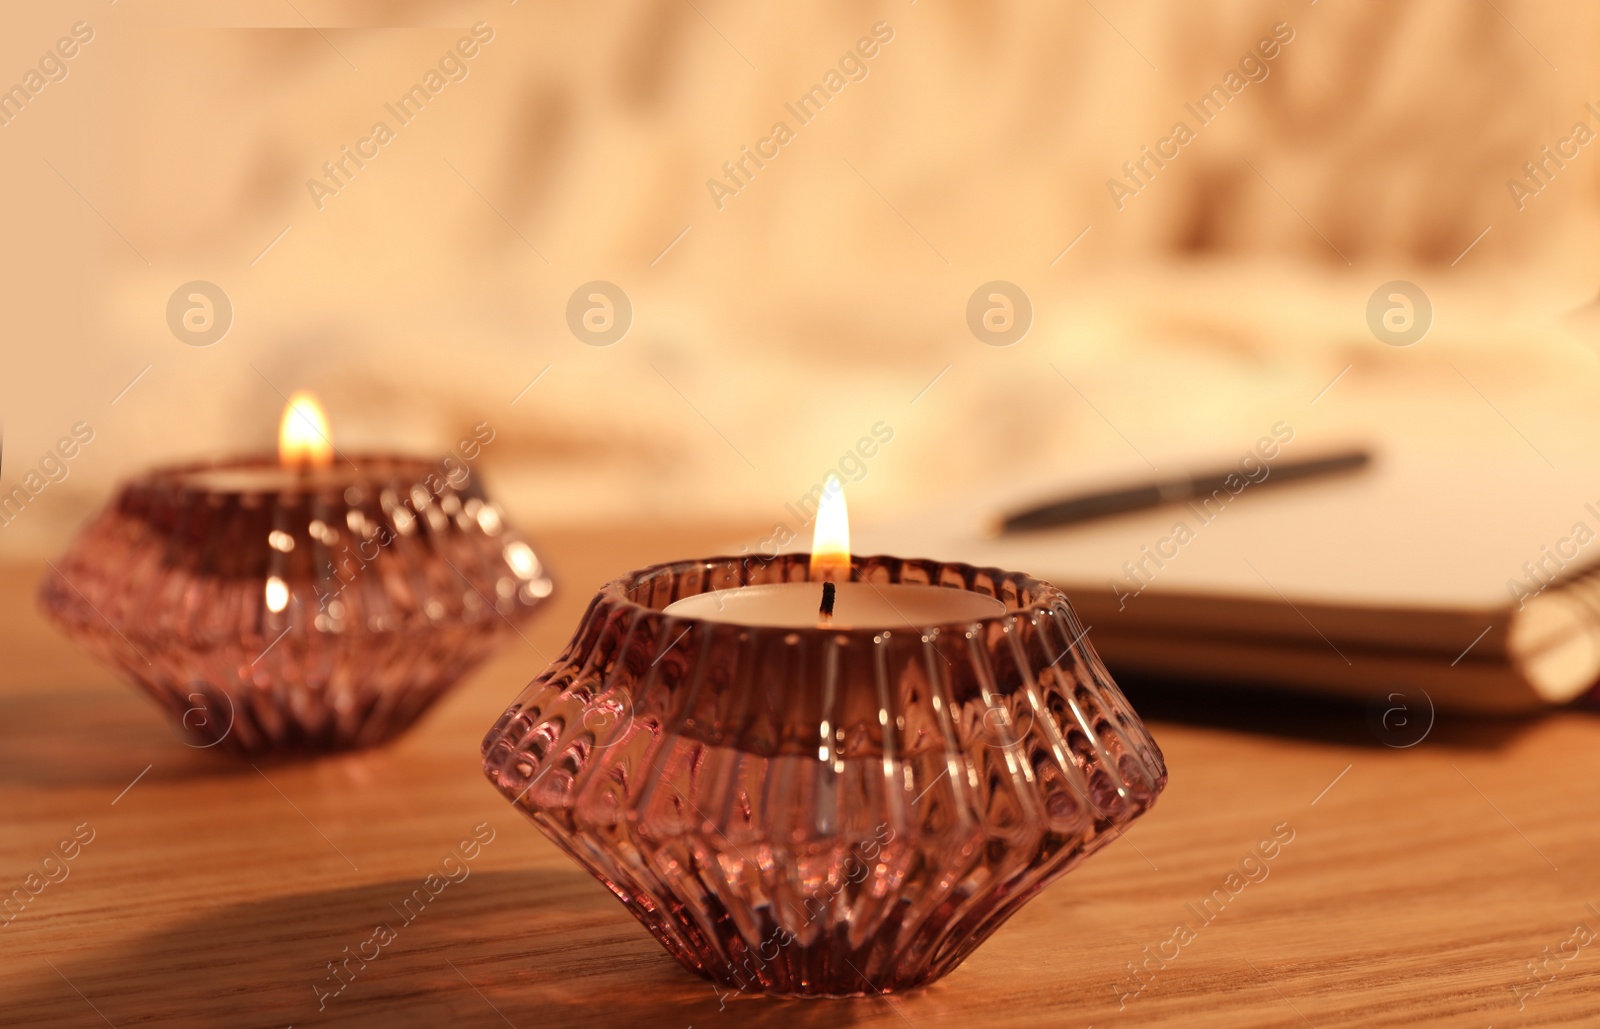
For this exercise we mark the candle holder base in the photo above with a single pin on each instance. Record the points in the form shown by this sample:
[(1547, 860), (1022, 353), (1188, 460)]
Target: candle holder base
[(810, 812)]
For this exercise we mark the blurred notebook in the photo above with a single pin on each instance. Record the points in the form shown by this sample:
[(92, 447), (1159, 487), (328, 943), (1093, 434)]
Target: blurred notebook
[(1477, 582)]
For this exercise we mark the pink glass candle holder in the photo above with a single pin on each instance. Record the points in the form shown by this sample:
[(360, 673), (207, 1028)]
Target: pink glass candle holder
[(272, 610), (825, 812)]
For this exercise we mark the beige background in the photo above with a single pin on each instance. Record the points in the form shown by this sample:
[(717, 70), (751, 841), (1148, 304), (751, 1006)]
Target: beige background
[(831, 291)]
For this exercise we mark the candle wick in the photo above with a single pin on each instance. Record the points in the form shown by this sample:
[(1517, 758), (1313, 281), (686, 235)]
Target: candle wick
[(827, 600)]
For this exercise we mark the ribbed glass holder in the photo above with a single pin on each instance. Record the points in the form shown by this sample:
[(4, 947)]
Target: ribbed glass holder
[(272, 612), (818, 812)]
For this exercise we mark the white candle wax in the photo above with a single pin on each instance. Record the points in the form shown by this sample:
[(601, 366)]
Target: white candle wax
[(857, 605), (267, 479)]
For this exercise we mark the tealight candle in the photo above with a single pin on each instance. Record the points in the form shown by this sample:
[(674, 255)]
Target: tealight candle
[(829, 599), (305, 457), (921, 760), (288, 604)]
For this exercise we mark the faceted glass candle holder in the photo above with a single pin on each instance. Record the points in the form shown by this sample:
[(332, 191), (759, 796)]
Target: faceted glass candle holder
[(274, 611), (821, 812)]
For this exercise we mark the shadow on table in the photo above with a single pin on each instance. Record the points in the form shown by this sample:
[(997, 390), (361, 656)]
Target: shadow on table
[(545, 948), (90, 736), (1390, 720), (99, 738)]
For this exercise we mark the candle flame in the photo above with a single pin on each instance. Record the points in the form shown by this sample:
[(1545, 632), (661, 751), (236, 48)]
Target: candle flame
[(304, 439), (830, 541)]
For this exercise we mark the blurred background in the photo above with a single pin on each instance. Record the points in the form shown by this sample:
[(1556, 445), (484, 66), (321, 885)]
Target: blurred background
[(792, 209)]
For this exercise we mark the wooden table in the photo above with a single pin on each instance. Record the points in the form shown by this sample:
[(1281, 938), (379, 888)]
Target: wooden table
[(1418, 886)]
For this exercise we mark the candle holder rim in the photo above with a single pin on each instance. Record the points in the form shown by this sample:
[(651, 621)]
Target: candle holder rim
[(1046, 596), (387, 465)]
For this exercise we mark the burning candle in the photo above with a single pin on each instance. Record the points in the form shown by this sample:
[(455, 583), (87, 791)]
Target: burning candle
[(302, 601), (305, 458), (830, 598), (936, 751)]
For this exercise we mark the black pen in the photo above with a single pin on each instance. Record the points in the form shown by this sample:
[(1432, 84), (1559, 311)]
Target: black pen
[(1088, 506)]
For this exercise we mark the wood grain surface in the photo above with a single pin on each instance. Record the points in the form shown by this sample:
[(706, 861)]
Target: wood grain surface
[(1419, 887)]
